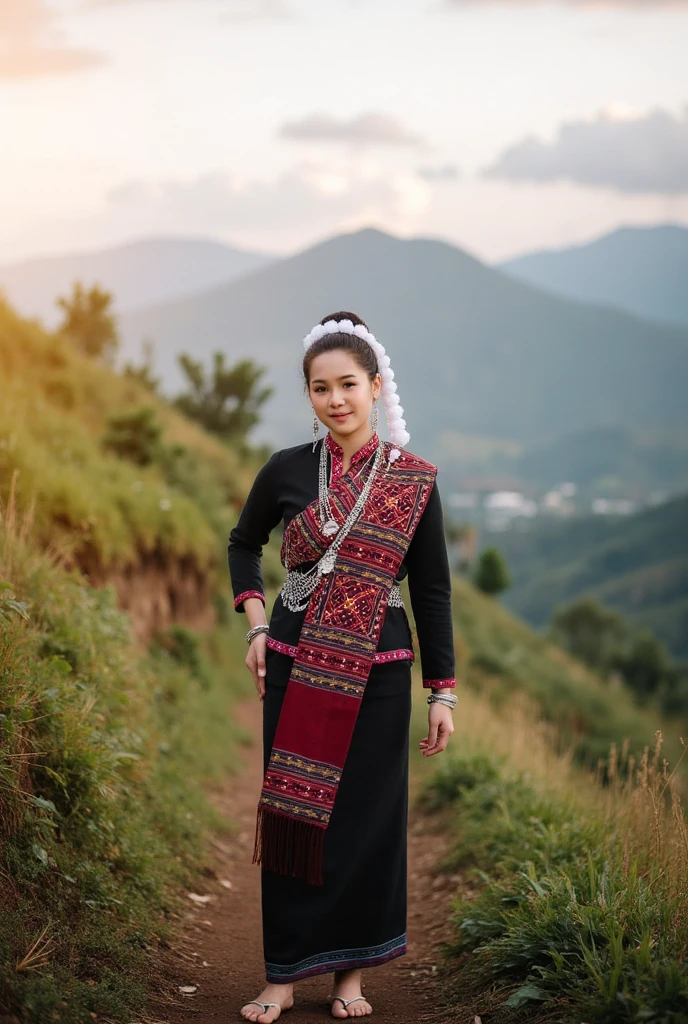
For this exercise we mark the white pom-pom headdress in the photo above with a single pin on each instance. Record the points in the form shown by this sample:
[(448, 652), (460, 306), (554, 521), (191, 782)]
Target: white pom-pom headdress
[(393, 410)]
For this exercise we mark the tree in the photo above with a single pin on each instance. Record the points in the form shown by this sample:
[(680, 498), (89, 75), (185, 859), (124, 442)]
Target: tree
[(144, 373), (589, 631), (226, 402), (89, 321), (646, 667), (491, 574), (134, 436)]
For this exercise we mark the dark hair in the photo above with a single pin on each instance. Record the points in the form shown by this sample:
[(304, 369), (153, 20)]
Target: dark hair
[(359, 349)]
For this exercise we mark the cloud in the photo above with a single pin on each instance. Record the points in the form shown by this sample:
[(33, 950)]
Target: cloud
[(306, 201), (238, 10), (31, 44), (641, 154), (364, 130), (443, 172), (628, 4)]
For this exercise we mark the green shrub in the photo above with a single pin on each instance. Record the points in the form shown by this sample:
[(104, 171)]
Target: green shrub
[(577, 919)]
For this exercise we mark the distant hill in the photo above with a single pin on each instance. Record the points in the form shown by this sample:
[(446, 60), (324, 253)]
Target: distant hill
[(637, 565), (139, 274), (643, 271), (608, 460), (474, 350)]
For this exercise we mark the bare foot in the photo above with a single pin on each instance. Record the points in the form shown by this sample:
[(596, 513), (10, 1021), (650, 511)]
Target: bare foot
[(283, 995), (347, 986)]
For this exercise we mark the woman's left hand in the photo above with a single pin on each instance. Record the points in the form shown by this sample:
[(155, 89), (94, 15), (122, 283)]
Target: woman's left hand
[(440, 728)]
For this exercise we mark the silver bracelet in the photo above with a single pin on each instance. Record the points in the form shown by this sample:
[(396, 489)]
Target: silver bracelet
[(450, 700), (264, 628)]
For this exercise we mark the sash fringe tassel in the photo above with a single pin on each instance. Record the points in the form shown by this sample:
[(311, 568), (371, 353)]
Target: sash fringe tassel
[(289, 847)]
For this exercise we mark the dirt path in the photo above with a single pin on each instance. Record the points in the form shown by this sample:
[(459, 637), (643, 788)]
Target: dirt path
[(221, 950)]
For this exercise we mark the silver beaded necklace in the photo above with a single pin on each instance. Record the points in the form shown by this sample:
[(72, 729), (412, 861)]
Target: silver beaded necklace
[(298, 586)]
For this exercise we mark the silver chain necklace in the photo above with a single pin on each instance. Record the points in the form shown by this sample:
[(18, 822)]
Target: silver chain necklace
[(329, 525), (298, 586)]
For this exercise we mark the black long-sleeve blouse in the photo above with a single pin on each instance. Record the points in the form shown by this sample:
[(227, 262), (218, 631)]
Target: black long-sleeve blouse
[(282, 488)]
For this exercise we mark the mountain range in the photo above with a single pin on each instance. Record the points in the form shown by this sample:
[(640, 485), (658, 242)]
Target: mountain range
[(474, 350), (492, 370), (643, 270), (138, 274)]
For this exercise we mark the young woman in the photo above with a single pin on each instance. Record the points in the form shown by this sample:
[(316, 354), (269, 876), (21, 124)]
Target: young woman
[(333, 670)]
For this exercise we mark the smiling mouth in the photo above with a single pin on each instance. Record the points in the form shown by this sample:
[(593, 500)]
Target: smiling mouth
[(339, 415)]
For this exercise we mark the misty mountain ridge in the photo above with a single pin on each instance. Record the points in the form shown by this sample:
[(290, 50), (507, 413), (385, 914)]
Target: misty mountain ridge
[(139, 273), (474, 350), (642, 270)]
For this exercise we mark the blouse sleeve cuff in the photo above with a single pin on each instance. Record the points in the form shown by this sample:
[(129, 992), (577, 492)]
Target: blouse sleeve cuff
[(240, 598), (439, 684)]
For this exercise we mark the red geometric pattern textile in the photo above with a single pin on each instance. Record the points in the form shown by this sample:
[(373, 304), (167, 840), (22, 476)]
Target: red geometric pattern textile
[(240, 598), (379, 658), (334, 655)]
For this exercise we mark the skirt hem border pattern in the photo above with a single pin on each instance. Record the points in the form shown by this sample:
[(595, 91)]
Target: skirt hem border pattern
[(336, 960)]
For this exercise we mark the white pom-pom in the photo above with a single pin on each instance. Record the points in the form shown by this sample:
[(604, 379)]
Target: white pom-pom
[(393, 455), (346, 326), (331, 327), (385, 361)]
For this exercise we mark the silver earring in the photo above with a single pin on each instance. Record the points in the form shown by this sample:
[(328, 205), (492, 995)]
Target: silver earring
[(373, 421), (316, 427)]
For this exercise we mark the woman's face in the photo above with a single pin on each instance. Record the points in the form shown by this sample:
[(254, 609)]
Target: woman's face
[(341, 392)]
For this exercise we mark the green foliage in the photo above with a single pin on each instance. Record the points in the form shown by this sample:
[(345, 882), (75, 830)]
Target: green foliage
[(589, 632), (143, 373), (134, 435), (605, 642), (227, 402), (499, 654), (104, 751), (635, 565), (568, 923), (89, 322), (491, 575), (645, 665)]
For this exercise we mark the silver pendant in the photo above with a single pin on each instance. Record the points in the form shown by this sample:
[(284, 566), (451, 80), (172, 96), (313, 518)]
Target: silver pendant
[(330, 527), (327, 561)]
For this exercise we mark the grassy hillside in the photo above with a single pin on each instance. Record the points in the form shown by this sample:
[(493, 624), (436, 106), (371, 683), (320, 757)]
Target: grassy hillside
[(105, 744), (54, 409), (637, 565), (498, 651), (570, 899)]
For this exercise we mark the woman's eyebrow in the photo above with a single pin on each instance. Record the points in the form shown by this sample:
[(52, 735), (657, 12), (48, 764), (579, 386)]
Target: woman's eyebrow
[(319, 380)]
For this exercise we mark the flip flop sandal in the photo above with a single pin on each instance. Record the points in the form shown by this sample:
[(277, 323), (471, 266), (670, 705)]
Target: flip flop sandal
[(345, 1002), (267, 1005)]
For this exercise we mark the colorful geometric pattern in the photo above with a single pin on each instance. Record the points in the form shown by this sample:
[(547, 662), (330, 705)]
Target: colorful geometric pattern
[(379, 658), (337, 644)]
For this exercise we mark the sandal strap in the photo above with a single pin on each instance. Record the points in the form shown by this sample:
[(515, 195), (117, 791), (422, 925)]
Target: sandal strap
[(264, 1005), (347, 1001)]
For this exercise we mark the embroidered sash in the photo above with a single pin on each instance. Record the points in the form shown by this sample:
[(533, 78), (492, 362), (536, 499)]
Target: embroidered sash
[(339, 636)]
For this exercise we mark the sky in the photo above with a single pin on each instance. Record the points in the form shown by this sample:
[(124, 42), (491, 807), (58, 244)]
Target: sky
[(501, 126)]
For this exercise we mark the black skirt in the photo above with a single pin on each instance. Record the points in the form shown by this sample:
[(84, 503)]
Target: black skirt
[(357, 918)]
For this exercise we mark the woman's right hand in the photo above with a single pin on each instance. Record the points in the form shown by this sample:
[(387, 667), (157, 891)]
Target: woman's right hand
[(255, 662)]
